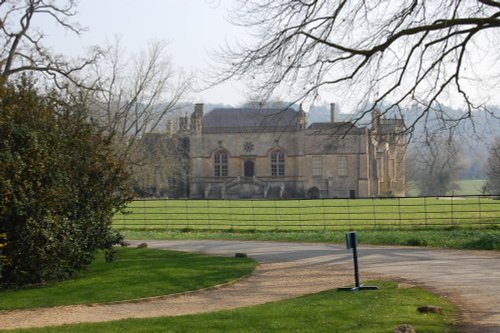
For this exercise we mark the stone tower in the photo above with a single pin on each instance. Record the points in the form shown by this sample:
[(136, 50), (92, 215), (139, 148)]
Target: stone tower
[(196, 119)]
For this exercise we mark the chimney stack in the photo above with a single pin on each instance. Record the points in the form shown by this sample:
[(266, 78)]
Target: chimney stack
[(376, 121), (332, 112), (170, 127), (198, 109)]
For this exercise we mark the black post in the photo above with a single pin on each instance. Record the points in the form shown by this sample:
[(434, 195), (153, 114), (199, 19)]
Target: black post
[(355, 259), (351, 243)]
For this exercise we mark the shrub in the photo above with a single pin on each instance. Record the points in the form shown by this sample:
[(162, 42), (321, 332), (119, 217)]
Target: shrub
[(60, 184), (416, 242), (485, 242)]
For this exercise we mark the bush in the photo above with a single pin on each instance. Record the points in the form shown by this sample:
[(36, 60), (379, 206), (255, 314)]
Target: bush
[(416, 242), (60, 184), (485, 242)]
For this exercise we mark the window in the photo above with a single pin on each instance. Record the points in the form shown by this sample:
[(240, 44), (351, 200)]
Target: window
[(317, 166), (392, 168), (380, 168), (277, 163), (220, 164), (342, 166)]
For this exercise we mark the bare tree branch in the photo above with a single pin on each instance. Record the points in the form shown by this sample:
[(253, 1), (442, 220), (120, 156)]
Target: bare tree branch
[(434, 164), (384, 54), (22, 45), (135, 94)]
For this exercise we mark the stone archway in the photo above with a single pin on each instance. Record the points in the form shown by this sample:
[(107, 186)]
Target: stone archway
[(313, 193)]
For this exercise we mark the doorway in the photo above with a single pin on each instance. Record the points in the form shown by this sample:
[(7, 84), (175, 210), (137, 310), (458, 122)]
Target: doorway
[(248, 169)]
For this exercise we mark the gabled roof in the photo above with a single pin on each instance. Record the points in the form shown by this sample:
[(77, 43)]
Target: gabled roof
[(250, 120)]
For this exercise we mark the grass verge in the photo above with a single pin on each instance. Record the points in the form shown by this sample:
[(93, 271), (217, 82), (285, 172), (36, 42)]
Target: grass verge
[(477, 239), (135, 273), (331, 311)]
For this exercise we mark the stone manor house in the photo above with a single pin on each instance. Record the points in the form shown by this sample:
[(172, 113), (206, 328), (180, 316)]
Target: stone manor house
[(274, 153)]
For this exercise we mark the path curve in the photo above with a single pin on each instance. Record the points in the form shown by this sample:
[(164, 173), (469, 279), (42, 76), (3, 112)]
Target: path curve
[(469, 278)]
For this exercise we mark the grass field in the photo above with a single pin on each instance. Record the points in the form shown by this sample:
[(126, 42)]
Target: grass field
[(465, 187), (323, 214), (135, 273), (470, 187), (333, 312)]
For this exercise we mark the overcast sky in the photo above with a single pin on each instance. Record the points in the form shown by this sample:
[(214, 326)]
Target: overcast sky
[(192, 28)]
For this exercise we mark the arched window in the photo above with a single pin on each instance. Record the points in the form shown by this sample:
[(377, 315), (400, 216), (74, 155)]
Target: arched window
[(277, 163), (220, 164)]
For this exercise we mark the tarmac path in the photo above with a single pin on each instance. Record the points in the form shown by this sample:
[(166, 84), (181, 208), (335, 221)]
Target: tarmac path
[(471, 279)]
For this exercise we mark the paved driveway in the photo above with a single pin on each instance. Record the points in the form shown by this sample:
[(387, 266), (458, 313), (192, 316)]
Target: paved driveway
[(469, 278)]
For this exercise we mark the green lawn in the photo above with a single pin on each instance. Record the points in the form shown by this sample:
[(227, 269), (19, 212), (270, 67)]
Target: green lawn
[(134, 274), (470, 186), (323, 214), (465, 187), (354, 312)]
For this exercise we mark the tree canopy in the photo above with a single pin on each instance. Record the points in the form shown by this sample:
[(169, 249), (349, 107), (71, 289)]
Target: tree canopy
[(60, 184)]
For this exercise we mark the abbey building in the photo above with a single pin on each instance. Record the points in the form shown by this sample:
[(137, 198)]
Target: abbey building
[(274, 153)]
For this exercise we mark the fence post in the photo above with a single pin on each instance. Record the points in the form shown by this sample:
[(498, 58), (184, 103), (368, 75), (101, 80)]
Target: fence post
[(275, 214), (208, 214), (374, 213), (323, 212), (166, 213), (144, 213), (186, 214), (300, 215), (349, 213), (253, 216), (451, 212), (425, 210), (399, 213), (479, 208), (230, 214)]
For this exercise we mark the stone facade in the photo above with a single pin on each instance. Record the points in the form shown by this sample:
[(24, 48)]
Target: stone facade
[(272, 153)]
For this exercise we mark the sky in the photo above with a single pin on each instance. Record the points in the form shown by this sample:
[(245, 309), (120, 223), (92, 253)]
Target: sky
[(192, 28)]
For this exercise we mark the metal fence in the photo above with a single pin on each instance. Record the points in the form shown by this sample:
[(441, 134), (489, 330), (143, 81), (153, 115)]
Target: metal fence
[(319, 214)]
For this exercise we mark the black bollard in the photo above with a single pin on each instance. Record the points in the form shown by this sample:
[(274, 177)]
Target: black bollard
[(351, 243)]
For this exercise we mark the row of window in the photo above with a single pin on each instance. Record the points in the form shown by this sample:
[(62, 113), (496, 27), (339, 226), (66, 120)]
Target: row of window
[(278, 164), (317, 166)]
